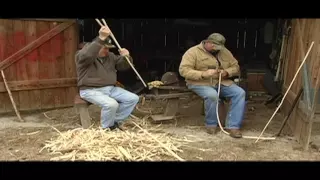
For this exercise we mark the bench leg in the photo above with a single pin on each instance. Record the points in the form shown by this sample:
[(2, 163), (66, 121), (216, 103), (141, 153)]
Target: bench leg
[(170, 111), (172, 107), (84, 115)]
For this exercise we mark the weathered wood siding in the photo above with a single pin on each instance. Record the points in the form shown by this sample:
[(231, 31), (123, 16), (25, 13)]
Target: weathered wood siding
[(44, 77), (297, 49)]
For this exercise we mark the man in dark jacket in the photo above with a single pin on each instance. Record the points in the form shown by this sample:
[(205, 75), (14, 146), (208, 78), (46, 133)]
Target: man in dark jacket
[(97, 77)]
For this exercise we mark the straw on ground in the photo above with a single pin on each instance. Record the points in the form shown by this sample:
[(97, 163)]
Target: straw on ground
[(96, 144)]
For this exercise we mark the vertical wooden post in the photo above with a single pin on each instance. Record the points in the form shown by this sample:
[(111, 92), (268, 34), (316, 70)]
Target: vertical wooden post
[(11, 98), (311, 115), (305, 75)]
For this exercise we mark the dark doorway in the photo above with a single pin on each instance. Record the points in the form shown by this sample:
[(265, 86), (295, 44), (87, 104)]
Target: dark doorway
[(157, 45)]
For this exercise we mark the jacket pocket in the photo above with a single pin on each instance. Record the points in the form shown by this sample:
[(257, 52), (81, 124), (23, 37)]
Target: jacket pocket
[(205, 62)]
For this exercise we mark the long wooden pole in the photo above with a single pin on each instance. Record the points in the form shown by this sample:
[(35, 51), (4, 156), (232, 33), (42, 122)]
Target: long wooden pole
[(11, 98), (119, 47), (294, 78)]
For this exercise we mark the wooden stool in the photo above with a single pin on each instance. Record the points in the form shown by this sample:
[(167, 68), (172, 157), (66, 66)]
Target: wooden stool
[(82, 108)]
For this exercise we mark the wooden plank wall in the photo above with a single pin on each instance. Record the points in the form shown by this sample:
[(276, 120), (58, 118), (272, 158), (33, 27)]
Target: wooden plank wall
[(255, 81), (44, 78), (310, 29)]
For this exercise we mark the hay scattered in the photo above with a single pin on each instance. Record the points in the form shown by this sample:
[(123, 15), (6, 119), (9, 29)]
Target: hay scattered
[(96, 144)]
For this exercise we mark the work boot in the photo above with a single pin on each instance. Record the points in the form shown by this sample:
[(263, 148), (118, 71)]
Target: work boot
[(120, 126), (111, 128), (235, 133), (212, 130)]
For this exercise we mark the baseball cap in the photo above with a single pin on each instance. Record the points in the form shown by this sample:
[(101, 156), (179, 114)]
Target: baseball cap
[(218, 39)]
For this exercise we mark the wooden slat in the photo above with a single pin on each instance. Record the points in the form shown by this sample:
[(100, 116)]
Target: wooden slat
[(54, 70), (10, 73), (254, 82), (44, 50), (30, 47), (288, 58), (306, 80), (290, 96), (70, 47), (3, 40), (39, 84), (21, 73), (33, 65), (44, 19), (306, 134), (316, 53)]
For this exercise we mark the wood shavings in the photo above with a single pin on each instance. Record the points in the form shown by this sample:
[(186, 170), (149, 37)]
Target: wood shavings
[(96, 144), (29, 134)]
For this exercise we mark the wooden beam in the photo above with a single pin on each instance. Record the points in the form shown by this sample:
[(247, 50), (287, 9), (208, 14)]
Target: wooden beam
[(44, 19), (39, 84), (306, 79), (311, 115), (34, 44), (303, 110), (301, 106), (291, 95)]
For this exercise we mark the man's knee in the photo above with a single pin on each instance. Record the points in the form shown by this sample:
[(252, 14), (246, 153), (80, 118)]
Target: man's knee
[(205, 92), (111, 104), (133, 98), (211, 96), (241, 93)]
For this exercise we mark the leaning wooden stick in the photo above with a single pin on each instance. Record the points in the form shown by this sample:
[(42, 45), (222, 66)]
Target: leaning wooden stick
[(119, 47), (294, 78), (11, 98)]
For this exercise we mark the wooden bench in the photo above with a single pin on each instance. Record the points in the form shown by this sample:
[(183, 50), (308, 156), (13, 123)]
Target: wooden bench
[(173, 94), (82, 108), (171, 109)]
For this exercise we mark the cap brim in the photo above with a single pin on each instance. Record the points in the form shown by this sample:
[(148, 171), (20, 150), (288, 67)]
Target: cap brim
[(218, 47)]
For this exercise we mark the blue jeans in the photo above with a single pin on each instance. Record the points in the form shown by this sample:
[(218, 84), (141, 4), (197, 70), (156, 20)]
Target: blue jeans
[(210, 96), (116, 103)]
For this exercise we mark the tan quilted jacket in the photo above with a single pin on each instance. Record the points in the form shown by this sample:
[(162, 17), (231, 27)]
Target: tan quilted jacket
[(197, 60)]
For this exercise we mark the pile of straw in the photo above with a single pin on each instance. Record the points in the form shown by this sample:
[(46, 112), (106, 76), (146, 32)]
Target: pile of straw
[(97, 144)]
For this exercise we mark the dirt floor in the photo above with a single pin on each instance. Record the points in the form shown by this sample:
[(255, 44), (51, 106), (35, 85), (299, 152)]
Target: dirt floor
[(23, 141)]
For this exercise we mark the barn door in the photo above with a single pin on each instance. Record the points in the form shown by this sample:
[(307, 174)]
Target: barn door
[(37, 57), (304, 31)]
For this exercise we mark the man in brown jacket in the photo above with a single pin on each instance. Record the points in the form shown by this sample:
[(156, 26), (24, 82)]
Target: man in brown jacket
[(200, 66), (97, 77)]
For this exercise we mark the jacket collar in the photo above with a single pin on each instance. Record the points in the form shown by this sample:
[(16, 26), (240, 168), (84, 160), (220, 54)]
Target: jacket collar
[(200, 46)]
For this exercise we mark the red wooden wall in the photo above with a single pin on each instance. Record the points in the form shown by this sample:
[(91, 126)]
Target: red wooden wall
[(45, 77)]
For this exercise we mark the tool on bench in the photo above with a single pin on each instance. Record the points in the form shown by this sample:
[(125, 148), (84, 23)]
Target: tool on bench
[(171, 91)]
